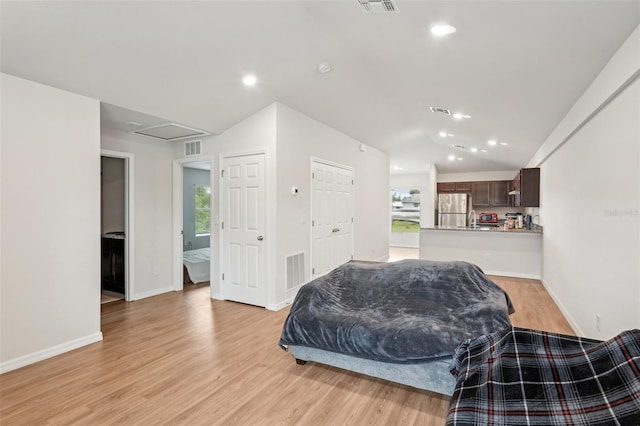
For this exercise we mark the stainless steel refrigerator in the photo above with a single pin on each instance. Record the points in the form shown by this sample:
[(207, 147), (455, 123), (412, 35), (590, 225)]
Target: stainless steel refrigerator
[(452, 209)]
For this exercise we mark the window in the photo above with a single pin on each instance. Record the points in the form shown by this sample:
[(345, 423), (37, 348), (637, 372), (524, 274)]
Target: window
[(203, 209), (405, 211)]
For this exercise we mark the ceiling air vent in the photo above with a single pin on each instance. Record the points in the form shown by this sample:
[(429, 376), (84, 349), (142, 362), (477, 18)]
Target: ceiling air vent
[(378, 6), (192, 148), (170, 132), (441, 110)]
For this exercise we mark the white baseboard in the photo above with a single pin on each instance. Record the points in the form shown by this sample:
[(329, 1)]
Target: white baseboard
[(43, 354), (564, 310), (382, 258), (152, 293), (513, 274), (280, 305)]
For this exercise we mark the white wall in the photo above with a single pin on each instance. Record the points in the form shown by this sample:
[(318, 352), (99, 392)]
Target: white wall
[(290, 139), (590, 192), (152, 220), (299, 138), (50, 248)]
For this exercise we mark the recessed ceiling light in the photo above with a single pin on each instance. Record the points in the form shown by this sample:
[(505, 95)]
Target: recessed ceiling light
[(250, 80), (460, 116), (442, 29), (504, 143), (492, 142), (459, 158), (397, 168), (445, 134), (483, 150), (474, 149), (451, 157), (324, 68)]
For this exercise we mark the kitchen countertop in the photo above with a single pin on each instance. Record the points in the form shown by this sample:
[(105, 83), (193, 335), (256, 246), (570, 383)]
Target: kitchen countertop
[(535, 229)]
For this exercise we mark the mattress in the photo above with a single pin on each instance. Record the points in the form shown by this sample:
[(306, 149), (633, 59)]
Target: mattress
[(197, 263)]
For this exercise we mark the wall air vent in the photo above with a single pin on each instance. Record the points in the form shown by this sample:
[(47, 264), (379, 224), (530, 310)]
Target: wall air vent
[(440, 110), (455, 145), (294, 270), (378, 6), (192, 148), (170, 132)]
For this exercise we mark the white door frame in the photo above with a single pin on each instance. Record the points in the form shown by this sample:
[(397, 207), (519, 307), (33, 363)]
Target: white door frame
[(269, 233), (340, 166), (129, 233), (178, 176)]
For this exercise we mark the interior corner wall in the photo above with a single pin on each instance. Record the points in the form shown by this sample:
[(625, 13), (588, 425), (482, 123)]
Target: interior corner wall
[(299, 138), (590, 194), (153, 209), (191, 178), (50, 197)]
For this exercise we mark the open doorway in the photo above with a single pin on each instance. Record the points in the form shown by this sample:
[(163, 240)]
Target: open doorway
[(116, 204), (405, 218), (196, 210)]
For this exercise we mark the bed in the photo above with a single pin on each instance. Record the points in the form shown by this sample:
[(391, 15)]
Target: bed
[(398, 321), (529, 377), (196, 265)]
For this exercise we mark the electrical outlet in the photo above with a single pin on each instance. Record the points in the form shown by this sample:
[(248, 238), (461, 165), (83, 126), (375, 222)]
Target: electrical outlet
[(598, 322)]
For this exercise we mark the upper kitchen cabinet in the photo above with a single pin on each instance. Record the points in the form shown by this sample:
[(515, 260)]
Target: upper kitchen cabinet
[(500, 193), (526, 188), (491, 194), (454, 187), (481, 194)]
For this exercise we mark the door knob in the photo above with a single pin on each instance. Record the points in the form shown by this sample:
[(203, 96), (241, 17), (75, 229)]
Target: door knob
[(260, 238)]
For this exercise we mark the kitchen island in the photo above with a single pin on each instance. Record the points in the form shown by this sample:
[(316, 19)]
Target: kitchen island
[(512, 252)]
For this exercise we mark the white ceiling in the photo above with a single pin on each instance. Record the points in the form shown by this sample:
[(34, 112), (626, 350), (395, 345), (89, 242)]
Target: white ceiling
[(515, 66)]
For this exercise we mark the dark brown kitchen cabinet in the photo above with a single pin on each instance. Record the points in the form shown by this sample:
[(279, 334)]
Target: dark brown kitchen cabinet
[(454, 187), (447, 187), (526, 188), (113, 264), (491, 194), (481, 194), (500, 193)]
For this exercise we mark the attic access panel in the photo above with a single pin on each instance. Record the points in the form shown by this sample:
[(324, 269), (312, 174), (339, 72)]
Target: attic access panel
[(170, 132)]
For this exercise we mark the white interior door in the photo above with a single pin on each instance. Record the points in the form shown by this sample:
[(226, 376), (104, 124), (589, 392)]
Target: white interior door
[(332, 217), (243, 224)]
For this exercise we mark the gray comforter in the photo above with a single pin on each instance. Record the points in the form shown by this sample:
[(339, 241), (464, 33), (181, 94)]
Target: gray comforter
[(403, 312)]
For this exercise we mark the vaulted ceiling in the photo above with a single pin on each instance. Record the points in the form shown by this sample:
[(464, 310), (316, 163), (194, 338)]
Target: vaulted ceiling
[(516, 67)]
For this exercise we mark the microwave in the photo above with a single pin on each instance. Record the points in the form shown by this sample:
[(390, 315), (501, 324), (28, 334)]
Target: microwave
[(488, 218)]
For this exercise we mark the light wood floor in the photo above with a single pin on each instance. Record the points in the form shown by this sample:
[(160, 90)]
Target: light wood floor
[(181, 358)]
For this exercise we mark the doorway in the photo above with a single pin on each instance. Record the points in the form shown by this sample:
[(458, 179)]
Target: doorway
[(116, 226), (405, 218), (332, 210), (192, 215)]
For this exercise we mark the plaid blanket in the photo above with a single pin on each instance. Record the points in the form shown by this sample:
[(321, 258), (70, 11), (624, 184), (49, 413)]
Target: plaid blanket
[(519, 376)]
